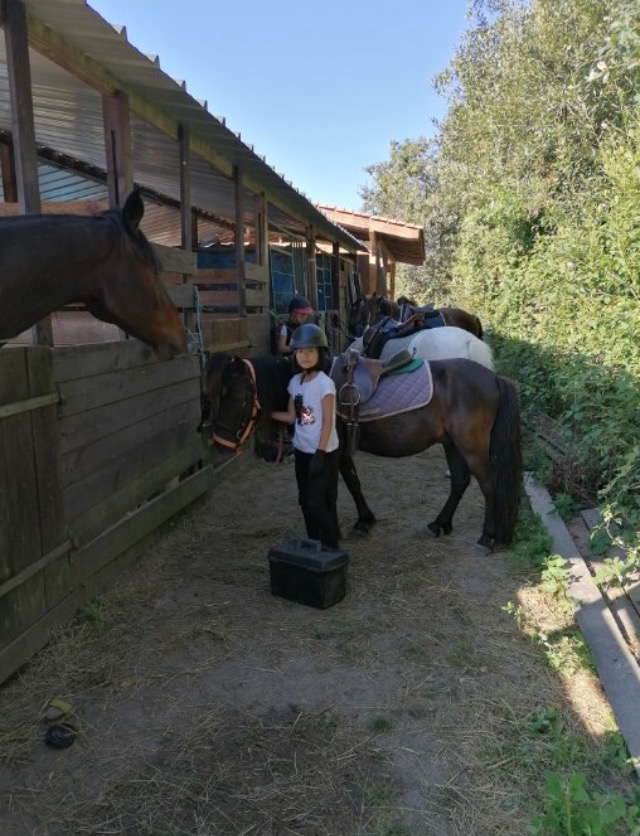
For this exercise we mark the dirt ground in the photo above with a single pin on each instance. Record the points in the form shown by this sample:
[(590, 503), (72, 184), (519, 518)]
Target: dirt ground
[(206, 705)]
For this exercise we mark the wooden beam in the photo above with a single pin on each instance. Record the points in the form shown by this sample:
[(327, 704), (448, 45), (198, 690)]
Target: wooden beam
[(175, 260), (23, 127), (262, 229), (117, 143), (57, 48), (239, 241), (335, 276), (62, 207), (8, 172), (312, 283), (186, 212)]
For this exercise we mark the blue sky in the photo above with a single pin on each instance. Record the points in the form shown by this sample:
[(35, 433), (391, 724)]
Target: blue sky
[(320, 90)]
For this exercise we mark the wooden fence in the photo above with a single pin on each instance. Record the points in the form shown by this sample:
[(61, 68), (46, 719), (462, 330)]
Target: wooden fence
[(98, 448)]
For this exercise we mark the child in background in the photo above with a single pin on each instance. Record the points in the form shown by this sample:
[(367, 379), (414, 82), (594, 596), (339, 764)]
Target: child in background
[(312, 406), (300, 312)]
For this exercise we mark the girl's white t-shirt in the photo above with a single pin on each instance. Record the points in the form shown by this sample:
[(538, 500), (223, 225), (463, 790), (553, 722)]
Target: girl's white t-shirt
[(307, 433)]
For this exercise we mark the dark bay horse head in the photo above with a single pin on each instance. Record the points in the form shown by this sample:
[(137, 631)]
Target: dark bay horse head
[(242, 393), (130, 291), (105, 262)]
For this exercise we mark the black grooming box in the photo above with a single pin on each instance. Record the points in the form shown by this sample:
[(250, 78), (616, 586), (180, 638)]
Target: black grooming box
[(308, 572)]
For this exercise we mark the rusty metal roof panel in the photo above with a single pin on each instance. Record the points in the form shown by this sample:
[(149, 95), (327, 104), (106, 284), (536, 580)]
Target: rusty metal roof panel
[(68, 117)]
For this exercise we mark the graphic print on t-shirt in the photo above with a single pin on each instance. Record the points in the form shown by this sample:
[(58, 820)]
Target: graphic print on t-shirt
[(307, 417)]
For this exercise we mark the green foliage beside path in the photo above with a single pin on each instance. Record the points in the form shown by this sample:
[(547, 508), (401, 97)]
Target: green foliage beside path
[(530, 198)]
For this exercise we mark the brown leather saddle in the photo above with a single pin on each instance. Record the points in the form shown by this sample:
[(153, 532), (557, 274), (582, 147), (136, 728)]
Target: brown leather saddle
[(357, 377)]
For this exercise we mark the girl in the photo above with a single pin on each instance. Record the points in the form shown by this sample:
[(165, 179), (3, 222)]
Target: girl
[(312, 406)]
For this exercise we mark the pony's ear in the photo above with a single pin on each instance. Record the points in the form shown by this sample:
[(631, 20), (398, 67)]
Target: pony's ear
[(133, 211)]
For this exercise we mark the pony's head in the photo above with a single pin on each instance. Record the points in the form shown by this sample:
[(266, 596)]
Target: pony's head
[(230, 386)]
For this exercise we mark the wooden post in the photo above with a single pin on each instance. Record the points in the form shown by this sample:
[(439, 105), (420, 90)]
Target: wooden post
[(262, 230), (117, 143), (335, 277), (312, 283), (25, 157), (373, 263), (239, 241), (8, 172), (186, 215)]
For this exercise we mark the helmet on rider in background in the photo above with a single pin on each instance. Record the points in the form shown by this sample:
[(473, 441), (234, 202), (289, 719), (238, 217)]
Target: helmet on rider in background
[(300, 305), (308, 336)]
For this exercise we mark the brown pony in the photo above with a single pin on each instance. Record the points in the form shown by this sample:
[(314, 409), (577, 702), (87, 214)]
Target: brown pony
[(104, 261), (370, 309), (473, 413)]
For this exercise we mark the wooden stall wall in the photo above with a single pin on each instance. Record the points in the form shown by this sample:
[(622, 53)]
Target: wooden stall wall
[(33, 542), (98, 449)]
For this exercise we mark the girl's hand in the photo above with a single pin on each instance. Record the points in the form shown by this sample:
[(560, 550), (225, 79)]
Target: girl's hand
[(316, 465)]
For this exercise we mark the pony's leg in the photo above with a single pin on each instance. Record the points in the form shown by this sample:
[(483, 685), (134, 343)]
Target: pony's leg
[(478, 464), (460, 478), (366, 519)]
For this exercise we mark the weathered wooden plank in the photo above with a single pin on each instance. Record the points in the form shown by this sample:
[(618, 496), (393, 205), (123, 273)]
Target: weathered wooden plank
[(259, 333), (99, 563), (224, 331), (219, 298), (176, 260), (86, 428), (256, 272), (103, 453), (617, 668), (59, 207), (142, 522), (216, 275), (29, 405), (257, 297), (84, 361), (18, 652), (34, 568), (21, 607), (46, 451), (19, 520), (83, 394), (180, 294), (120, 502), (101, 483)]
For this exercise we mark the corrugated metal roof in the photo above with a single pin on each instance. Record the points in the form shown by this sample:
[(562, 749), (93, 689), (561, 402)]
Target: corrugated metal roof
[(69, 118)]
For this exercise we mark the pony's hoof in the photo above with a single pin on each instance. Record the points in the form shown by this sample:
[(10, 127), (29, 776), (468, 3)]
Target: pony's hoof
[(358, 533), (482, 549), (432, 530)]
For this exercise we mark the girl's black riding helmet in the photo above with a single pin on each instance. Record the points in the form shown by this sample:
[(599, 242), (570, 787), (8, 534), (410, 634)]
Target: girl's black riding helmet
[(308, 336)]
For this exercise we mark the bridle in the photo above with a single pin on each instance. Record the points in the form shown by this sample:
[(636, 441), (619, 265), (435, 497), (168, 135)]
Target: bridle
[(231, 438)]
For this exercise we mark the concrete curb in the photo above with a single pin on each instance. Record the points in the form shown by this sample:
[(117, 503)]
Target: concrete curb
[(617, 668)]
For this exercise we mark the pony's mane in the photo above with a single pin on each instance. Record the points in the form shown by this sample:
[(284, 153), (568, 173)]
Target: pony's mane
[(135, 242)]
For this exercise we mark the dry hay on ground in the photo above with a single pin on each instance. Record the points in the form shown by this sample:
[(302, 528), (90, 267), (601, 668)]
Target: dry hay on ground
[(208, 706)]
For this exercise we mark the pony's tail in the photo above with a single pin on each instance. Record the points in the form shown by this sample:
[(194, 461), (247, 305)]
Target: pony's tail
[(480, 329), (505, 458)]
